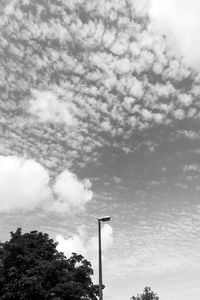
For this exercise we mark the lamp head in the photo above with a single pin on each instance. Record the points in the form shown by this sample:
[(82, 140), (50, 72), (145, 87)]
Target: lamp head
[(105, 219)]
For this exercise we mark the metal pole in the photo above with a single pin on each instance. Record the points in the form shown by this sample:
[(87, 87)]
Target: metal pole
[(100, 263)]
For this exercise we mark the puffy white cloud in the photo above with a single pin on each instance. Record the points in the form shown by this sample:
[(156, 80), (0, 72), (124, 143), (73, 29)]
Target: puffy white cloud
[(46, 106), (185, 99), (70, 192), (179, 114), (147, 115), (81, 244), (141, 7), (123, 65), (25, 186), (107, 238), (75, 243), (179, 20)]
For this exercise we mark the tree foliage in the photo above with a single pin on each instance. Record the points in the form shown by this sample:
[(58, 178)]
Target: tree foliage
[(148, 294), (34, 269)]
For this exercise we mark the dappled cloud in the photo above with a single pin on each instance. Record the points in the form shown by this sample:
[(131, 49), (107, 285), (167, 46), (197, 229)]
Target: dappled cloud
[(83, 75)]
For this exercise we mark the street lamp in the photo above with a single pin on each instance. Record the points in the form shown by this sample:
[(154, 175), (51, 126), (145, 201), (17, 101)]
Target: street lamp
[(102, 219)]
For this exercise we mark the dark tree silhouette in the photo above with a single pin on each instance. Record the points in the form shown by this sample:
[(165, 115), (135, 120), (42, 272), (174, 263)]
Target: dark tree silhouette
[(34, 269), (148, 294)]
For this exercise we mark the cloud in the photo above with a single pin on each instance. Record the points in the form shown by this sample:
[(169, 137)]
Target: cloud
[(179, 21), (97, 85), (154, 263), (117, 179), (81, 244), (107, 238), (47, 108), (75, 243), (123, 65), (70, 192), (25, 186), (141, 7), (191, 168), (189, 134)]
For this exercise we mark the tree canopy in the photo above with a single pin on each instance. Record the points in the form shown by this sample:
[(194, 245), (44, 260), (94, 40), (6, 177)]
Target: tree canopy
[(34, 269), (148, 294)]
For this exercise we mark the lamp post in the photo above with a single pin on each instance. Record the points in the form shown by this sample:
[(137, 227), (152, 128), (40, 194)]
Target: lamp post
[(102, 219)]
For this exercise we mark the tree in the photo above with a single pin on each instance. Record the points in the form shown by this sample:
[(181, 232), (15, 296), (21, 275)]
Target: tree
[(148, 294), (34, 269)]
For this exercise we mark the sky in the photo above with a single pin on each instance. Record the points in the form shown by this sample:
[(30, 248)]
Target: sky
[(100, 115)]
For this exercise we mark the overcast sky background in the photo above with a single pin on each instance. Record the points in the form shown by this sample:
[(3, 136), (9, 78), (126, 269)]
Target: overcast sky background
[(99, 115)]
